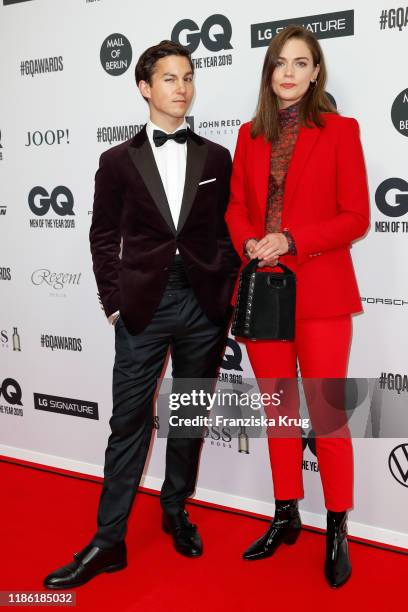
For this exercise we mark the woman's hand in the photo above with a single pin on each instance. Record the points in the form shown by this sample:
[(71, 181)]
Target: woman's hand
[(269, 249), (249, 247)]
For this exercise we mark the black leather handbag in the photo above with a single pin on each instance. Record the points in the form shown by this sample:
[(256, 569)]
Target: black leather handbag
[(265, 308)]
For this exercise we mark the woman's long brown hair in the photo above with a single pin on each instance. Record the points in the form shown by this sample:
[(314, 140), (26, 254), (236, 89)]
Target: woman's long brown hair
[(314, 101)]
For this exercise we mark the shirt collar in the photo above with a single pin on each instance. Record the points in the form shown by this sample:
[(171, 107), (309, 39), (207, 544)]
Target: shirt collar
[(289, 115)]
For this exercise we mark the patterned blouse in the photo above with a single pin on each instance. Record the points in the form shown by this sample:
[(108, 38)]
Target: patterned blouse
[(281, 155)]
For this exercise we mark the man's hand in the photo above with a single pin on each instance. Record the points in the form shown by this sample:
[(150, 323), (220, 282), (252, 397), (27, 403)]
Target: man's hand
[(114, 317)]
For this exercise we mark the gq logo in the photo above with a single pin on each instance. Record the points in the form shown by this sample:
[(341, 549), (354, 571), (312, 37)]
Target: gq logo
[(400, 205), (212, 40), (11, 391), (61, 201)]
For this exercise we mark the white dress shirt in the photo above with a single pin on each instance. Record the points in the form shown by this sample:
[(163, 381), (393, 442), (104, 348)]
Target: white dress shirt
[(171, 160)]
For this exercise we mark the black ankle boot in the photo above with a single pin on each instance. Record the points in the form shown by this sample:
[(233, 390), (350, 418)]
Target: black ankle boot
[(337, 567), (285, 527)]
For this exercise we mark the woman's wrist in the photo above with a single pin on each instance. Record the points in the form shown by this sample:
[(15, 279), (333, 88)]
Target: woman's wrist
[(291, 242)]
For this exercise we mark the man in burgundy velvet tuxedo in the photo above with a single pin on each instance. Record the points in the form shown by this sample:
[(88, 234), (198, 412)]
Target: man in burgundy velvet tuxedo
[(165, 270)]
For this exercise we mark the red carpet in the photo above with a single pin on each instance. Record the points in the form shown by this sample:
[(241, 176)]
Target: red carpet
[(45, 517)]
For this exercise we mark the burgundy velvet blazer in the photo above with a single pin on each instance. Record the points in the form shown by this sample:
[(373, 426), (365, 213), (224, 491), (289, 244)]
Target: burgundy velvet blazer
[(130, 205)]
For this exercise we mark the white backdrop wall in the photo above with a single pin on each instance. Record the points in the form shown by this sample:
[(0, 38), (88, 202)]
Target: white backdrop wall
[(54, 120)]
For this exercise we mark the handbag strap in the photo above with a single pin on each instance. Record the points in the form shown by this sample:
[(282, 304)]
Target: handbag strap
[(254, 263)]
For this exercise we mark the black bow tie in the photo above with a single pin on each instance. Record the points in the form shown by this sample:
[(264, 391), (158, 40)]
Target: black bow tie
[(160, 137)]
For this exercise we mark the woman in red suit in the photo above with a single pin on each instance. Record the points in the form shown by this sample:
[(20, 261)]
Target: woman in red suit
[(299, 195)]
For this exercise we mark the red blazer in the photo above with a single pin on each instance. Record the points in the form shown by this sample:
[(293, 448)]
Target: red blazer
[(326, 207)]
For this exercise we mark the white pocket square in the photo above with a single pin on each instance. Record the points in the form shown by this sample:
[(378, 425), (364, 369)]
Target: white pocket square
[(207, 181)]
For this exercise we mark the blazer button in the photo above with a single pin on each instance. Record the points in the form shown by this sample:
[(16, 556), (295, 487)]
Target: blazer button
[(166, 268)]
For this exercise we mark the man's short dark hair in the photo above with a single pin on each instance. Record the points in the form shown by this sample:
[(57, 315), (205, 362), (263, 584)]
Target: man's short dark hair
[(146, 62)]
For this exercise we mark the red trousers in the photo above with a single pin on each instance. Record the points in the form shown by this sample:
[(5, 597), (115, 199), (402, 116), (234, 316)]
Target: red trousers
[(322, 349)]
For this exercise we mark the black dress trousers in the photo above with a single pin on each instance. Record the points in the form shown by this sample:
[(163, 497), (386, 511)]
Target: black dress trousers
[(196, 346)]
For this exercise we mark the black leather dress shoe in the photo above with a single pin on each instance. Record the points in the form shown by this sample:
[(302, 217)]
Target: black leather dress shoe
[(186, 538), (337, 567), (285, 527), (87, 564)]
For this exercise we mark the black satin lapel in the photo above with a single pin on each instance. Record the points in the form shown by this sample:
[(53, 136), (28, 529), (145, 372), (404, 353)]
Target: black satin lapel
[(145, 163), (196, 157)]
